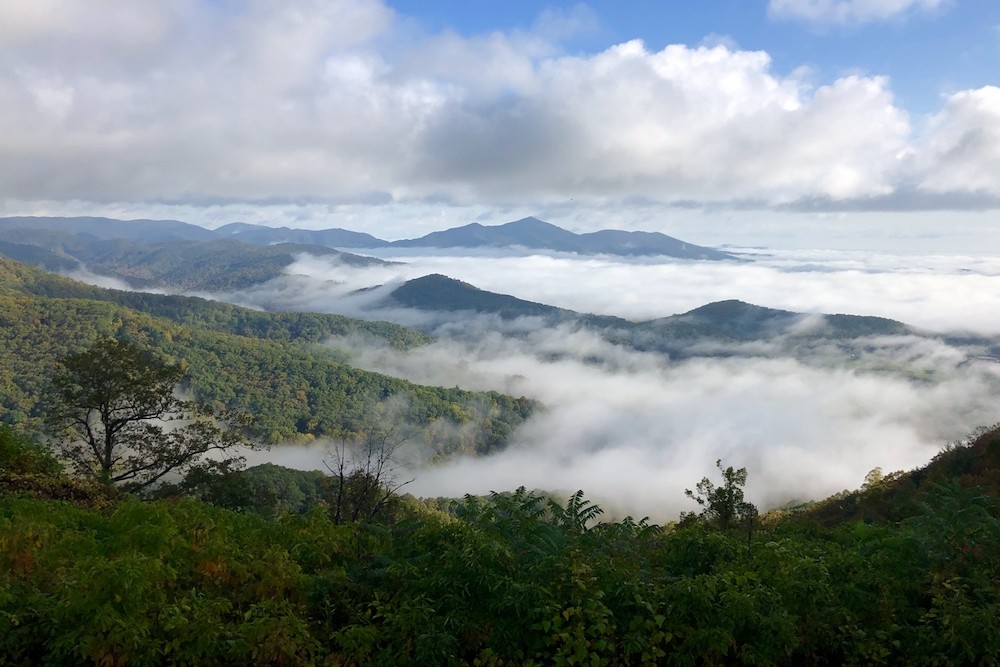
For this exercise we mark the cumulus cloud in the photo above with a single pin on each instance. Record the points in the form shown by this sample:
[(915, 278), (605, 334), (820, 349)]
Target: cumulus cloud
[(344, 102), (849, 11), (705, 123), (961, 146)]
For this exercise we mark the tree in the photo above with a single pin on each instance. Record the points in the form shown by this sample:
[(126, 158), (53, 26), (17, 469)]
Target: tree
[(366, 471), (114, 416), (725, 506)]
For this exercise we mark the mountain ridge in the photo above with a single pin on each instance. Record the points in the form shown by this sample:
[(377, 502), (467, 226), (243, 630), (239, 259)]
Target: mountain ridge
[(530, 233)]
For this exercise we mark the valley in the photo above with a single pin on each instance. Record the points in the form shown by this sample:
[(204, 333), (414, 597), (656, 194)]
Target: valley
[(543, 395)]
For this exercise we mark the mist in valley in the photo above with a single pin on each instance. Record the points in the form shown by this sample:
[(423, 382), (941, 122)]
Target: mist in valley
[(634, 429)]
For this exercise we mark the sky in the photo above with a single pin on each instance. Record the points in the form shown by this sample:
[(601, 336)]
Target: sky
[(856, 124)]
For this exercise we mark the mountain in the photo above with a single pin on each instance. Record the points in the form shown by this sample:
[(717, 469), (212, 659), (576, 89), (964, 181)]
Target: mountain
[(723, 320), (215, 265), (270, 365), (146, 231), (441, 293), (331, 238), (527, 233), (536, 234), (530, 233), (717, 330), (741, 321)]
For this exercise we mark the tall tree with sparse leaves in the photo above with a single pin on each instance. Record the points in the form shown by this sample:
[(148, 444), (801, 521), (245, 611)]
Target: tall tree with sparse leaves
[(114, 416)]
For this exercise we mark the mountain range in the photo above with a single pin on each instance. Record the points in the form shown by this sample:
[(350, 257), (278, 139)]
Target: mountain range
[(730, 320), (178, 263), (527, 233), (727, 328), (174, 255)]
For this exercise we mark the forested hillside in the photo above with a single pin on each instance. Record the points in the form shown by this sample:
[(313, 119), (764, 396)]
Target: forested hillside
[(267, 364), (90, 577), (213, 265)]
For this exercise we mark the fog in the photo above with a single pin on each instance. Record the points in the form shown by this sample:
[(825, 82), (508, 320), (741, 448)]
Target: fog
[(634, 429), (935, 292)]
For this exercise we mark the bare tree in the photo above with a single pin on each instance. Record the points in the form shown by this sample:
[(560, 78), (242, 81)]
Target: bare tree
[(367, 471)]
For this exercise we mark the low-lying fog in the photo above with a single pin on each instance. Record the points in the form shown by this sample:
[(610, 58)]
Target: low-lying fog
[(939, 292), (634, 429)]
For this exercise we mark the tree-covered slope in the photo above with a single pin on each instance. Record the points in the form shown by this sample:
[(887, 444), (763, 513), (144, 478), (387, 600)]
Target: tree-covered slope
[(971, 467), (17, 278), (512, 579), (262, 363), (214, 265)]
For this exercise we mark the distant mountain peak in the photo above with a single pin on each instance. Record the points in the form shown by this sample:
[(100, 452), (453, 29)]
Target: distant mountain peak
[(733, 308), (536, 234), (526, 222)]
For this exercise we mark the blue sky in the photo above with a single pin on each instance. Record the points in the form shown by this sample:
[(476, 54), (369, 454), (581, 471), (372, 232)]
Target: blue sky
[(846, 123), (925, 52)]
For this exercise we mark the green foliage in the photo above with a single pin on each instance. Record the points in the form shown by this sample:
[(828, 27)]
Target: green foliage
[(725, 506), (971, 463), (20, 455), (111, 411), (266, 489), (512, 579), (265, 364)]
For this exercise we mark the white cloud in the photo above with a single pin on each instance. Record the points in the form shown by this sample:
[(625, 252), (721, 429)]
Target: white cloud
[(704, 124), (634, 429), (960, 149), (344, 103), (849, 11), (935, 292)]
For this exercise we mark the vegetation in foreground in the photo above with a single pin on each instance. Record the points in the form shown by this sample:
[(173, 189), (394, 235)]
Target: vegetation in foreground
[(273, 566), (89, 576)]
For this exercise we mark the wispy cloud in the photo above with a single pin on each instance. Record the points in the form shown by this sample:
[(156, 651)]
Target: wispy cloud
[(847, 12)]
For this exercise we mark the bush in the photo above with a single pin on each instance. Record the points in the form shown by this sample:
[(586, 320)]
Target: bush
[(19, 455)]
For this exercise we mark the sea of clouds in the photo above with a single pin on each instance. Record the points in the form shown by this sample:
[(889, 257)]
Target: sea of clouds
[(634, 429)]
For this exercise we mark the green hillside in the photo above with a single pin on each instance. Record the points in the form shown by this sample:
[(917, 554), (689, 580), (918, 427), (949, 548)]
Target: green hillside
[(971, 467), (217, 265), (265, 363), (436, 292), (90, 577)]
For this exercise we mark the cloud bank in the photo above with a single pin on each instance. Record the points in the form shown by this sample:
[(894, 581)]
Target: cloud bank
[(346, 102), (939, 293), (635, 429)]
